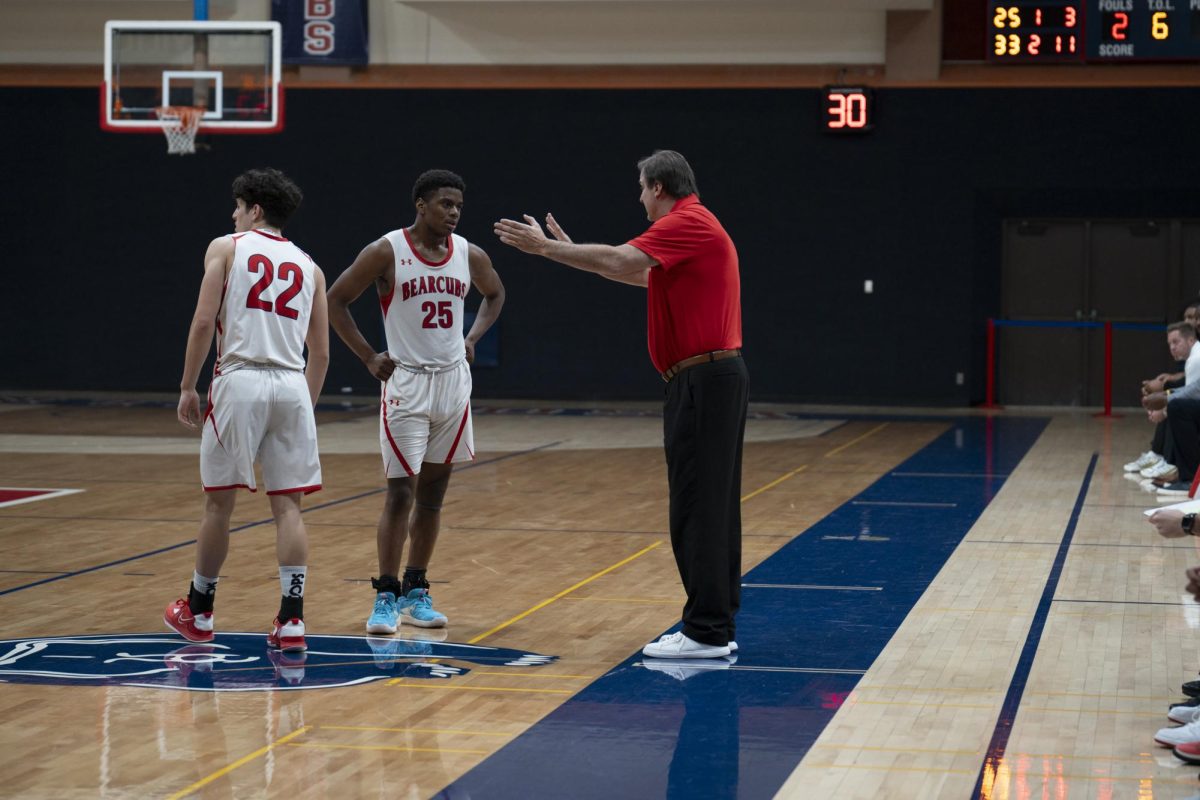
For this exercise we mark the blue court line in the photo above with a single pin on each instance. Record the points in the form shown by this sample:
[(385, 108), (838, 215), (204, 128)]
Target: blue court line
[(1012, 701), (255, 524), (674, 731)]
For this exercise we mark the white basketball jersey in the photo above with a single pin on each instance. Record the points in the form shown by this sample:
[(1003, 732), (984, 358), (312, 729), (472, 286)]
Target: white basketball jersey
[(423, 316), (267, 303)]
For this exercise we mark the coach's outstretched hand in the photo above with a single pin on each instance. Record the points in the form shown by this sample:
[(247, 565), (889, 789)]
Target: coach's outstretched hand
[(528, 237), (556, 230)]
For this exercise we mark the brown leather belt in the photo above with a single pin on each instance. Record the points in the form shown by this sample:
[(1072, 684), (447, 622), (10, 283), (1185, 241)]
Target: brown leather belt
[(703, 358)]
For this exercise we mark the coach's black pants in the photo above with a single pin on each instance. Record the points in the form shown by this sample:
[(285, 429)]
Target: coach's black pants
[(704, 418)]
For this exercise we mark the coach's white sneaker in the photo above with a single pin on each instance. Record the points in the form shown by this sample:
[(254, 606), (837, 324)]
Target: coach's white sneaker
[(1184, 734), (676, 645)]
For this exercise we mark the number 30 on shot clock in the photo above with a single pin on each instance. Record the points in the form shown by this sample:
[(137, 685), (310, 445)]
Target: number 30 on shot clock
[(848, 109)]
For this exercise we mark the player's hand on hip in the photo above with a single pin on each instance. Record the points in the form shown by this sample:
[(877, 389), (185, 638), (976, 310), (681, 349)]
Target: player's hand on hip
[(188, 411), (527, 237), (381, 366), (470, 345), (556, 230)]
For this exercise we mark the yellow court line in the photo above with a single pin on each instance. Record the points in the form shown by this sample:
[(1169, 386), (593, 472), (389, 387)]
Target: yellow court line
[(200, 784), (642, 600), (871, 432), (561, 594), (537, 675), (774, 483), (393, 747), (437, 731), (400, 682)]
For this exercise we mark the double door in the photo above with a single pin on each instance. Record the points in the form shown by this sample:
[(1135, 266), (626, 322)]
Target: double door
[(1070, 271)]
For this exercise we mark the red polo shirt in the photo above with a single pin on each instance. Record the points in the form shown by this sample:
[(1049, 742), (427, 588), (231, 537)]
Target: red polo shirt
[(694, 302)]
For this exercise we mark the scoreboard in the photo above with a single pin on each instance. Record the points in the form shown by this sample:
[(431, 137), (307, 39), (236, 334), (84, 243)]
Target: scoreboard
[(1093, 31)]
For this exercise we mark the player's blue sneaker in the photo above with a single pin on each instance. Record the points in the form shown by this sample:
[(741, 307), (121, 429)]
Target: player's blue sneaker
[(385, 617), (417, 609)]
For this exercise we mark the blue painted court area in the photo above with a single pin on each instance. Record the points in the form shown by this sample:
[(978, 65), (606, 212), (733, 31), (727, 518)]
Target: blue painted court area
[(814, 617)]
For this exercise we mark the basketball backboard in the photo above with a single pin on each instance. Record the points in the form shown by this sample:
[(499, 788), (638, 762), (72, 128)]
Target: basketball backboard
[(230, 69)]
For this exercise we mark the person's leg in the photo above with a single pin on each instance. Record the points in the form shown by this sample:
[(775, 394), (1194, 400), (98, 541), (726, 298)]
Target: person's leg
[(679, 447), (212, 543), (417, 606), (192, 616), (291, 550), (390, 536), (392, 531), (1158, 441), (703, 419), (1184, 418), (427, 519), (720, 391)]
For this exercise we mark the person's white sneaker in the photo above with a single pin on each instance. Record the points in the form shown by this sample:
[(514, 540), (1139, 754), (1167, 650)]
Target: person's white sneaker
[(1184, 715), (1163, 471), (1184, 734), (1145, 460), (676, 645)]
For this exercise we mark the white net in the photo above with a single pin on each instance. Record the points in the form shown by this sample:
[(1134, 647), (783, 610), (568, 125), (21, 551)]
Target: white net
[(180, 124)]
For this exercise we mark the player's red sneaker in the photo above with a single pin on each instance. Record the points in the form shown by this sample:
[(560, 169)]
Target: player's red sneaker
[(288, 637), (193, 627)]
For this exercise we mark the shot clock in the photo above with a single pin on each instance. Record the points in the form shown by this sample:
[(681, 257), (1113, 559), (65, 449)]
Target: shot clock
[(847, 109), (1093, 31)]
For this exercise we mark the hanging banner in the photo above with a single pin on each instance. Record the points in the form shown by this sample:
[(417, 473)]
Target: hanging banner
[(322, 31)]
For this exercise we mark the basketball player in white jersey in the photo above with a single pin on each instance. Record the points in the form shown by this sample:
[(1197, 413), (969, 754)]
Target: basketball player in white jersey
[(265, 298), (422, 274)]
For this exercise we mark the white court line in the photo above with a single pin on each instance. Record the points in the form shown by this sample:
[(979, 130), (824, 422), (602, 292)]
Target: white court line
[(718, 666), (49, 493), (812, 586)]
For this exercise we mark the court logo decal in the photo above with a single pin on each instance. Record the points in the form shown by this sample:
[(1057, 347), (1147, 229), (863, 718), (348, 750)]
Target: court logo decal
[(242, 662), (15, 495)]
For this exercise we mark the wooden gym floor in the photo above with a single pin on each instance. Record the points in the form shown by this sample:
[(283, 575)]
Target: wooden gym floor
[(935, 606)]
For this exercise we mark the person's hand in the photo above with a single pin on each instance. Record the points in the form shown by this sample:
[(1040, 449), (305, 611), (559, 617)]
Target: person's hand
[(1193, 584), (1154, 401), (381, 366), (470, 343), (1151, 386), (528, 237), (1168, 522), (188, 411), (556, 230), (1157, 416)]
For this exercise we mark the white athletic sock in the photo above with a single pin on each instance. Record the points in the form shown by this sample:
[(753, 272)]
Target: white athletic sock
[(204, 585), (291, 581)]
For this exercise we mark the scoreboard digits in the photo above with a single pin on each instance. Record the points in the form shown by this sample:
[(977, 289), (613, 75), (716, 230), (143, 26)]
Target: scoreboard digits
[(1093, 31), (1049, 31)]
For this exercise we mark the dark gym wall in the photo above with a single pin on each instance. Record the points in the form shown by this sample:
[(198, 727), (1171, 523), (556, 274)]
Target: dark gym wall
[(106, 233)]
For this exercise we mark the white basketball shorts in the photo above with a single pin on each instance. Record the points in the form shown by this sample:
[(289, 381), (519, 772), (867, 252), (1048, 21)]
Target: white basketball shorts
[(426, 417), (263, 415)]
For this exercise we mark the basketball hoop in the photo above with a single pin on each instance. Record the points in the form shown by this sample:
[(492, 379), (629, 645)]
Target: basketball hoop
[(179, 125)]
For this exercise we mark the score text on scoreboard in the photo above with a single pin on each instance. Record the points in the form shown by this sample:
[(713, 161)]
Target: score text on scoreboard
[(847, 109), (1049, 31), (1093, 30)]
